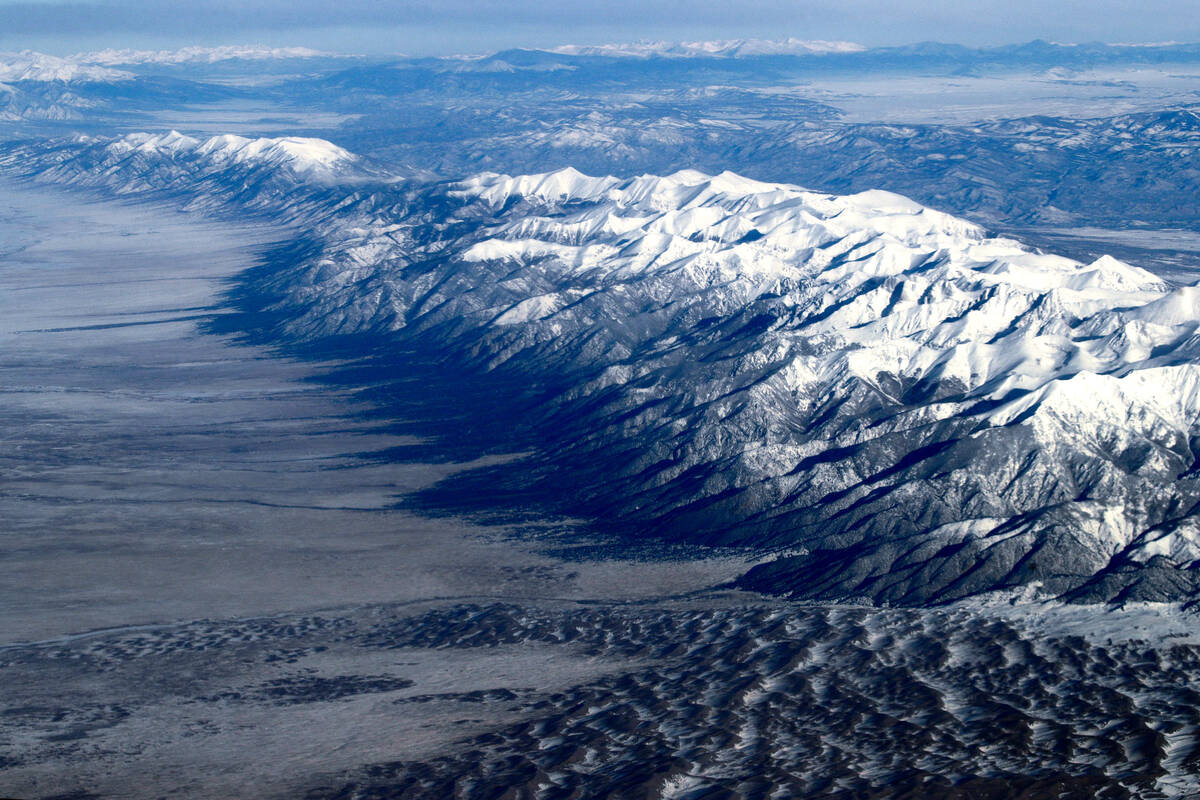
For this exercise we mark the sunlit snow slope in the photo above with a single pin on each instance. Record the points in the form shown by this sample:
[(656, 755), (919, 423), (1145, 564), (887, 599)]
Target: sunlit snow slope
[(911, 410)]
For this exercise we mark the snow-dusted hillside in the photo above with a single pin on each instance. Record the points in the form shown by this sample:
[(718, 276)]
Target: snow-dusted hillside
[(907, 408)]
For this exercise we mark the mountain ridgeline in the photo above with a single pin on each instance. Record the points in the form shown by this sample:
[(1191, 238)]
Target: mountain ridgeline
[(893, 403)]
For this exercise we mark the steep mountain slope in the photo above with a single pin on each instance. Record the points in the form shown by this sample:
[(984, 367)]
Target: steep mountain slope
[(903, 407)]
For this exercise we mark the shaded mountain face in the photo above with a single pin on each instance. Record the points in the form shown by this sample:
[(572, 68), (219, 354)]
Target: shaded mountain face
[(895, 404)]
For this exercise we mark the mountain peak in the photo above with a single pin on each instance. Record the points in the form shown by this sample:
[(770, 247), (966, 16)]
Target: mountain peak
[(299, 154)]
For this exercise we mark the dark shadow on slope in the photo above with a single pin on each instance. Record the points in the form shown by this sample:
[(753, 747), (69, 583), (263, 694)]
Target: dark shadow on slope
[(548, 471), (454, 414)]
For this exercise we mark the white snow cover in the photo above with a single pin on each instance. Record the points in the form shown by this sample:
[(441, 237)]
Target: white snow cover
[(199, 55), (28, 65), (884, 289), (315, 157), (723, 48), (300, 154), (947, 294)]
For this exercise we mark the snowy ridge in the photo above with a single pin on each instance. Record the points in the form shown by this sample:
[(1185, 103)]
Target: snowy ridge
[(31, 66), (198, 55), (904, 407), (299, 154), (98, 67), (60, 102), (728, 231), (721, 48), (310, 157)]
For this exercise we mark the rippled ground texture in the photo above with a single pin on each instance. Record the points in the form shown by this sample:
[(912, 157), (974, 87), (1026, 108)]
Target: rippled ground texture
[(814, 702), (491, 700)]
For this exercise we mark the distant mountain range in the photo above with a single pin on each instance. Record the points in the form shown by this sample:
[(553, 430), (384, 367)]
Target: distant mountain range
[(31, 66), (822, 55), (851, 54), (199, 55), (723, 48)]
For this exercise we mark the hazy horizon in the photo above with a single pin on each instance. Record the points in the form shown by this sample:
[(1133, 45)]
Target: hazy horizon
[(417, 28)]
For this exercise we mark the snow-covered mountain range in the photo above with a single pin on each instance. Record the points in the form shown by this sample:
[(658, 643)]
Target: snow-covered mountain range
[(198, 55), (31, 66), (897, 404), (719, 48), (297, 155)]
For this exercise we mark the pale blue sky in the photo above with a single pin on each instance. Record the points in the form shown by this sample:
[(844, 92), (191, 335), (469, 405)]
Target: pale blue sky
[(450, 26)]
